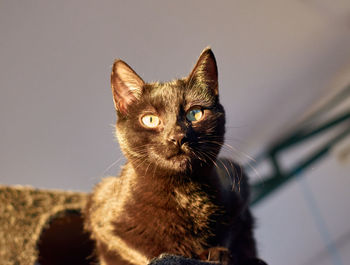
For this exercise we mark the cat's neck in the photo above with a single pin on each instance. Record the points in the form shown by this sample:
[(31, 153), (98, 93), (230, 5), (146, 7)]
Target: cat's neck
[(153, 180), (166, 192), (150, 186), (154, 174)]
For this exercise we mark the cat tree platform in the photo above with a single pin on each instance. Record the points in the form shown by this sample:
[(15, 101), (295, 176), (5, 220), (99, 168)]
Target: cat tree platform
[(42, 227), (46, 227)]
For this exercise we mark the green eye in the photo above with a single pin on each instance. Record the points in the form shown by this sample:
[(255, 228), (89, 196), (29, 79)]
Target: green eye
[(150, 121), (195, 114)]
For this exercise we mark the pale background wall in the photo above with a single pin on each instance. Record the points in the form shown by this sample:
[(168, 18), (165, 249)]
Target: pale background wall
[(276, 58)]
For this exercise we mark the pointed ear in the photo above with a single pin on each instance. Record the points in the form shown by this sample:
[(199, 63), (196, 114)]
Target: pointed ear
[(126, 86), (205, 71)]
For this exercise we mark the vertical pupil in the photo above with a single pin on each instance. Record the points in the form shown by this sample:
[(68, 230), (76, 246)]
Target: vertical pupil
[(195, 114), (151, 119)]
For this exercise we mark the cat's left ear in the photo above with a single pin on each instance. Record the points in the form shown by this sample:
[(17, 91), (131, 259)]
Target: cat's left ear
[(126, 86), (205, 71)]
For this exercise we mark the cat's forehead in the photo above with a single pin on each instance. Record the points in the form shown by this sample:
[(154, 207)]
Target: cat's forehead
[(166, 94), (168, 89), (177, 93)]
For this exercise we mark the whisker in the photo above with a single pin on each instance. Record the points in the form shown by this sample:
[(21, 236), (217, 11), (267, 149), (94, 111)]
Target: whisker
[(154, 171), (234, 179), (222, 163), (143, 158), (231, 151), (112, 165), (207, 155), (147, 168), (235, 149)]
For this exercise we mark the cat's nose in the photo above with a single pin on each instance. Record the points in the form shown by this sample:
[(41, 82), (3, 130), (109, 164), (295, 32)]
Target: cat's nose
[(178, 139)]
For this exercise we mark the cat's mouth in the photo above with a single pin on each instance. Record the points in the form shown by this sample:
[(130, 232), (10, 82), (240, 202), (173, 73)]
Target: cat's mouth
[(180, 160), (177, 160), (179, 154)]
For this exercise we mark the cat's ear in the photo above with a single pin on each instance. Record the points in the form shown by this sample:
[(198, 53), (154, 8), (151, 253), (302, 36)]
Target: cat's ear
[(205, 71), (126, 86)]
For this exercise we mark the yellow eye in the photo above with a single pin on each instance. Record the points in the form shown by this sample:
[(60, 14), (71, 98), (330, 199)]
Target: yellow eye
[(150, 121), (195, 114)]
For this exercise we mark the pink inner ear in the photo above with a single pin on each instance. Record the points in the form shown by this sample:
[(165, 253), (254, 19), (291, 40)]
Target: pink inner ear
[(122, 95), (126, 86), (125, 101)]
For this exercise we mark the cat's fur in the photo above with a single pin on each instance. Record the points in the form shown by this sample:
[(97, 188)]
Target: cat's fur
[(172, 195)]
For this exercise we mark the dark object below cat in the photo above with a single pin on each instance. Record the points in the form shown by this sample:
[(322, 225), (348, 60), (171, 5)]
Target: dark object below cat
[(45, 227), (178, 260)]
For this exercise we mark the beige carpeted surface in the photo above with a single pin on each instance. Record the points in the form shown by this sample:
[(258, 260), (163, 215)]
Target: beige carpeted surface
[(29, 221)]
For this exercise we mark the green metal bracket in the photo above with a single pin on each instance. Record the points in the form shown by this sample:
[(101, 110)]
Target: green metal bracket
[(265, 187)]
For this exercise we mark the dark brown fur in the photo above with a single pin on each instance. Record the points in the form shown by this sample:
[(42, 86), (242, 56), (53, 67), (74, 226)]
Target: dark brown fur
[(173, 195)]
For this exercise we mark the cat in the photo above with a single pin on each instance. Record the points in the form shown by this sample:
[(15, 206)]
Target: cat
[(173, 195)]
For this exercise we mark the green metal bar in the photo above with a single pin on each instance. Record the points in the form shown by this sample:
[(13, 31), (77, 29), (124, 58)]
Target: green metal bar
[(262, 189), (265, 188), (299, 136), (344, 93), (275, 164), (304, 134)]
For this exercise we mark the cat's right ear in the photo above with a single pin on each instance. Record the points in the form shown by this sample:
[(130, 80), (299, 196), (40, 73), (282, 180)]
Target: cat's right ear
[(126, 86), (205, 71)]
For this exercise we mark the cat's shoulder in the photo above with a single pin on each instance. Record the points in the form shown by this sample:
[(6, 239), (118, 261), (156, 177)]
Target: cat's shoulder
[(110, 193), (107, 186), (113, 185)]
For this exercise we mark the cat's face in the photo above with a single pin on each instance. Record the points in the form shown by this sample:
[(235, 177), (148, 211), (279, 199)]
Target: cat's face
[(172, 126)]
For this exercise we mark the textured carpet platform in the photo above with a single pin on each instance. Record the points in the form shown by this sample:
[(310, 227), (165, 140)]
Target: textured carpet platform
[(45, 227)]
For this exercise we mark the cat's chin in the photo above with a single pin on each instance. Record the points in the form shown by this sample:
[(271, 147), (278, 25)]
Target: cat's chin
[(178, 163)]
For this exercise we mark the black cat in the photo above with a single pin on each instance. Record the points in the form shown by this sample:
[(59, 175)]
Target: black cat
[(173, 194)]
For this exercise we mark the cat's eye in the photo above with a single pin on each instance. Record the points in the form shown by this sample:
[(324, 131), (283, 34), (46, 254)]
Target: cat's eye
[(194, 114), (150, 121)]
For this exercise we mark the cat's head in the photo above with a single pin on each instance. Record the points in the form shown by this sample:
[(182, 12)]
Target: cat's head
[(171, 126)]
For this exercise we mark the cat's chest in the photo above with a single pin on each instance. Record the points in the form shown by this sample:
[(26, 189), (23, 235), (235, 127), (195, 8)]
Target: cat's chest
[(187, 215), (188, 207), (194, 206), (181, 223)]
